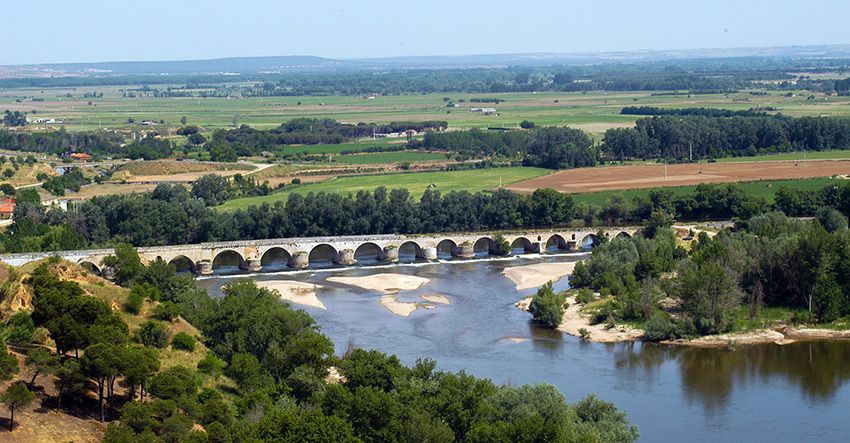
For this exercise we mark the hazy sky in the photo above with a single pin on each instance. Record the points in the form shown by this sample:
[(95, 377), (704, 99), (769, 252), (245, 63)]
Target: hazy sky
[(108, 30)]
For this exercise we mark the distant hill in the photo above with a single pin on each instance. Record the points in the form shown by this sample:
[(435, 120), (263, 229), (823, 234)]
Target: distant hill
[(306, 63)]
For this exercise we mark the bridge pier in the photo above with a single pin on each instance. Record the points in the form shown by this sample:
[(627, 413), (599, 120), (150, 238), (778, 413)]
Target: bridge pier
[(204, 267), (253, 265), (540, 247), (428, 253), (464, 251), (390, 254), (299, 260), (345, 257)]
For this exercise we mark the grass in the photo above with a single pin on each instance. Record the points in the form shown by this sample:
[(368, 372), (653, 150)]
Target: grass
[(470, 180), (389, 157), (791, 156), (763, 188)]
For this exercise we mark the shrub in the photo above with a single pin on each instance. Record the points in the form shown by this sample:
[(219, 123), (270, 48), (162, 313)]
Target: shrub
[(153, 333), (166, 311), (183, 342), (134, 302), (547, 307), (584, 296), (21, 328), (500, 245)]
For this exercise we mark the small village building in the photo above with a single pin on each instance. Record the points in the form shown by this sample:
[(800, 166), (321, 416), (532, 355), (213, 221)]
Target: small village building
[(7, 208)]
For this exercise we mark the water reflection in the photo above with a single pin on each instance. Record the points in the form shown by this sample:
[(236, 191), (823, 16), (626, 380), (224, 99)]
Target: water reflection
[(710, 376)]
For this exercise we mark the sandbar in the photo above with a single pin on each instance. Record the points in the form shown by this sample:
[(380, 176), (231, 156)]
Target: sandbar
[(386, 282), (536, 275), (436, 298), (295, 291), (401, 308)]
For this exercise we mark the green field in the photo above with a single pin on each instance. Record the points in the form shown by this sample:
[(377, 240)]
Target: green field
[(764, 188), (389, 157), (593, 111), (791, 156), (470, 180)]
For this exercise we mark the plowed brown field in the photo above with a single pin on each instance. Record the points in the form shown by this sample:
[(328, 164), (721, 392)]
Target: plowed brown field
[(653, 176)]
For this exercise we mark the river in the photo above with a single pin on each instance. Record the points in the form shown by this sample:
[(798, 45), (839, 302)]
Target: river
[(795, 392)]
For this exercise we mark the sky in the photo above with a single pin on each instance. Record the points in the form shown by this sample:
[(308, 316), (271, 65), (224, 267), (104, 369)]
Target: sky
[(53, 31)]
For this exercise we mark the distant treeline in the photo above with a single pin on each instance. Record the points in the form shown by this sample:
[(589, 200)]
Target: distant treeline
[(546, 147), (706, 137), (170, 215), (707, 112), (245, 140), (702, 75), (111, 144)]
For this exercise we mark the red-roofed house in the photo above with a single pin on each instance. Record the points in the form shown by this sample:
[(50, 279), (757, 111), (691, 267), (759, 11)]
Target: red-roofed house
[(7, 207), (81, 156)]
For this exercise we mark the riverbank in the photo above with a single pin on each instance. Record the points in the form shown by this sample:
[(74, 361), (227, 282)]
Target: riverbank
[(295, 292), (574, 321)]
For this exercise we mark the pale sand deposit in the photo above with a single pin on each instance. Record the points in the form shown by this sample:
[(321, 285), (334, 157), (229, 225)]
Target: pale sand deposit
[(387, 282), (574, 320), (533, 276), (401, 308), (295, 291), (436, 298)]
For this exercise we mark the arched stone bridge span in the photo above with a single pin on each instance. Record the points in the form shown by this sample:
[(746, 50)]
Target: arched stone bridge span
[(253, 255)]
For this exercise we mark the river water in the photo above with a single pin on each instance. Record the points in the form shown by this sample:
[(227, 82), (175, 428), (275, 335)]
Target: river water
[(796, 392)]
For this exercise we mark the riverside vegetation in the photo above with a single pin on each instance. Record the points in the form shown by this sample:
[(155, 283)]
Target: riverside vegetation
[(769, 270), (252, 369)]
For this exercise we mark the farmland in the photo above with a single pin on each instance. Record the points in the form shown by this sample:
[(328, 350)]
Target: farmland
[(390, 157), (594, 111), (655, 175), (416, 183)]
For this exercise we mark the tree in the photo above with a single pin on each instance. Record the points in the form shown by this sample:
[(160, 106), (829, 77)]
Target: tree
[(547, 307), (526, 124), (183, 120), (126, 263), (710, 294), (17, 396), (153, 333), (213, 189), (183, 342), (70, 381), (42, 361), (102, 362), (166, 311), (8, 363)]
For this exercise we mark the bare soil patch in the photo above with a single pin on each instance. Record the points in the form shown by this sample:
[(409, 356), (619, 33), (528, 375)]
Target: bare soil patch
[(653, 176)]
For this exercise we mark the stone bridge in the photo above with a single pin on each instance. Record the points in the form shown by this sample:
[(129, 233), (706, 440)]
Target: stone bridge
[(298, 253)]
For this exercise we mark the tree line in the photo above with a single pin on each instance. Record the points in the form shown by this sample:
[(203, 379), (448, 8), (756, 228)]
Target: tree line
[(170, 214), (707, 112), (276, 363), (546, 147), (684, 137)]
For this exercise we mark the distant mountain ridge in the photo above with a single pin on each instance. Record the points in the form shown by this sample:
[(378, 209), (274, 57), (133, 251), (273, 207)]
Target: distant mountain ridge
[(307, 63)]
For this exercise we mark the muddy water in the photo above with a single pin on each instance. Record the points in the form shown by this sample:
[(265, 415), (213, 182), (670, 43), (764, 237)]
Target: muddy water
[(796, 392)]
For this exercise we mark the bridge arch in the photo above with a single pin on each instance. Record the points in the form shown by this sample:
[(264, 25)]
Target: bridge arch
[(484, 246), (91, 267), (589, 241), (228, 260), (275, 258), (521, 245), (368, 252), (446, 248), (183, 264), (556, 243), (409, 251), (623, 234), (323, 255)]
